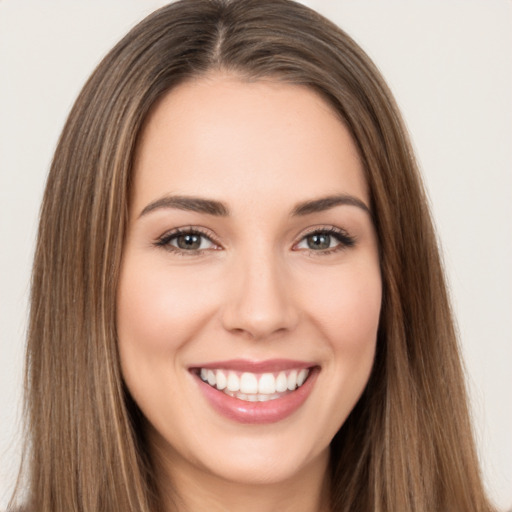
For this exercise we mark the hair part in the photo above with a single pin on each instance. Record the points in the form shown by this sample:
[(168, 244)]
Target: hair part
[(407, 445)]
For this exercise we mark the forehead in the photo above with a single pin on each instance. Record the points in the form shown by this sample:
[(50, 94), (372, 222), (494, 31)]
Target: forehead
[(224, 138)]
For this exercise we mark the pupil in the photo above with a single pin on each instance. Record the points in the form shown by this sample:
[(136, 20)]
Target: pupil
[(319, 241), (189, 241)]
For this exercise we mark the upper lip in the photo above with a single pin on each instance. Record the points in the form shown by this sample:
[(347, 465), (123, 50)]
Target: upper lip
[(246, 365)]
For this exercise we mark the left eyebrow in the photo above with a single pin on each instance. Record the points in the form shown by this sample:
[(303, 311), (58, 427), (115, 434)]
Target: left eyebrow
[(326, 203), (194, 204)]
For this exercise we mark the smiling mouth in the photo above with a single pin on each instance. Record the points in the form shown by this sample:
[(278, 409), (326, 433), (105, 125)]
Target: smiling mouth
[(256, 392), (254, 387)]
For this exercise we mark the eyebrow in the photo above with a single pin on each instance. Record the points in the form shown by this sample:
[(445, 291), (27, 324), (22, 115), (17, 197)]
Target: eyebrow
[(326, 203), (219, 209), (193, 204)]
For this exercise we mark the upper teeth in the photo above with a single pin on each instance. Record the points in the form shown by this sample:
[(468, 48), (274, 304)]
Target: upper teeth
[(249, 383)]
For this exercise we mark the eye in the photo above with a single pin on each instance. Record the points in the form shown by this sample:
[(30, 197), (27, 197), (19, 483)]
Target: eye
[(326, 240), (186, 240)]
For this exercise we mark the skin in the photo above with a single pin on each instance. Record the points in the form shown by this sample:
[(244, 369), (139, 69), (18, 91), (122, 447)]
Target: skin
[(256, 291)]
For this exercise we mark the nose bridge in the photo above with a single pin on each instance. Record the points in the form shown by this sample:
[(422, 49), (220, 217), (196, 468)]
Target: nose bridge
[(259, 301)]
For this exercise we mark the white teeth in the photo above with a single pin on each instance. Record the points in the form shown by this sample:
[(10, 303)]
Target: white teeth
[(267, 384), (253, 387), (301, 377), (281, 383), (211, 378), (248, 383), (292, 380), (233, 383), (253, 397), (222, 380)]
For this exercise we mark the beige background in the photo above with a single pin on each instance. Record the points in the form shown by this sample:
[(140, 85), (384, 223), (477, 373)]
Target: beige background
[(449, 65)]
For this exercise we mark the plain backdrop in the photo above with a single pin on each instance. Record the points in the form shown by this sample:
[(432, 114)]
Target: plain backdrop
[(449, 64)]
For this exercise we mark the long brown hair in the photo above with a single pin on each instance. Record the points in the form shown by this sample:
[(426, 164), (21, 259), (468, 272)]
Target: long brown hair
[(407, 445)]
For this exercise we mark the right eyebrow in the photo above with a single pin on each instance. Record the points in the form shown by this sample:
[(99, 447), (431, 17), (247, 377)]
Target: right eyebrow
[(326, 203), (189, 203)]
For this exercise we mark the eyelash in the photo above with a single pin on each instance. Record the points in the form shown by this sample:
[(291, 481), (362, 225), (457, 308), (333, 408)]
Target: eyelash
[(345, 240), (165, 240)]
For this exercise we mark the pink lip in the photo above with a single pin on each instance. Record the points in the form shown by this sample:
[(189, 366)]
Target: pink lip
[(271, 411)]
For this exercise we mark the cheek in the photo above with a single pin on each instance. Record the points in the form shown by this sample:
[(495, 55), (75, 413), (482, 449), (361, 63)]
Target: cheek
[(157, 309), (350, 322), (158, 313), (347, 315), (346, 306)]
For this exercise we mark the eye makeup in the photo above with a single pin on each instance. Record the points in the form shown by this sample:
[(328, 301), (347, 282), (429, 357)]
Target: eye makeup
[(194, 241), (325, 240), (189, 241)]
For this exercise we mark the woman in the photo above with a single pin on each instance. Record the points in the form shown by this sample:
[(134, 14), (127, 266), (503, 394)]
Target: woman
[(234, 205)]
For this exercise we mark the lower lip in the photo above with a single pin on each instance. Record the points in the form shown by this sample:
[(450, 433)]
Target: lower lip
[(270, 411)]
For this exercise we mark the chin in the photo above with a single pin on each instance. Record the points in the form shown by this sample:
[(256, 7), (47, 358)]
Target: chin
[(264, 469), (272, 455)]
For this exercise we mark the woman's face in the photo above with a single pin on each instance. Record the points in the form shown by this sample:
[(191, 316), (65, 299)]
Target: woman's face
[(250, 289)]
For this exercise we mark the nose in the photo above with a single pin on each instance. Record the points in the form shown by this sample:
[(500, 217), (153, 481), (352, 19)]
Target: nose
[(260, 300)]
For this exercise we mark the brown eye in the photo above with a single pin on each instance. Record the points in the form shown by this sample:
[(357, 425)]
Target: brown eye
[(318, 241), (188, 242)]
